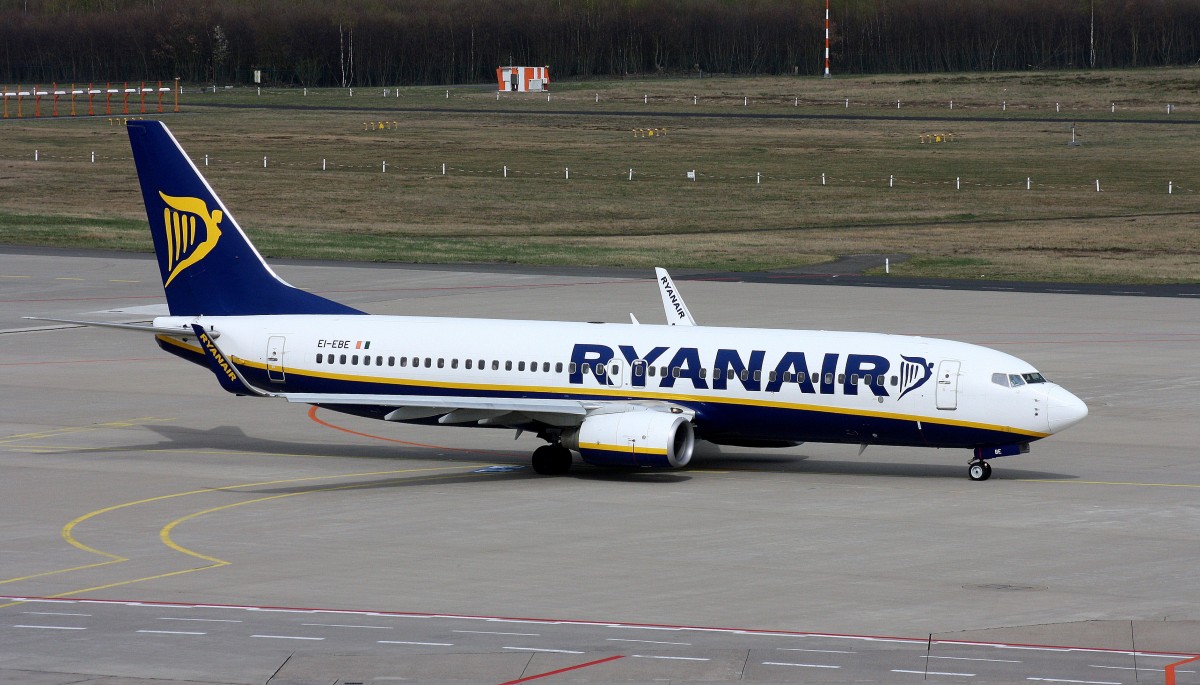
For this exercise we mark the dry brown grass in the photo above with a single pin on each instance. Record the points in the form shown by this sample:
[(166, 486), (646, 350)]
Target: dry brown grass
[(1062, 229)]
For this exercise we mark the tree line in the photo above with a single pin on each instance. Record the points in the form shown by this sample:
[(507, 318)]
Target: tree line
[(402, 42)]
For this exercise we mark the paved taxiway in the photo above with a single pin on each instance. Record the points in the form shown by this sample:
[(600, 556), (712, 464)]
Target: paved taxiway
[(128, 475)]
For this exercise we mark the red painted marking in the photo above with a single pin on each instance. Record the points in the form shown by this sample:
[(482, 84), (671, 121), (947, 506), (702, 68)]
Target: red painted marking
[(1170, 676), (563, 670), (312, 414)]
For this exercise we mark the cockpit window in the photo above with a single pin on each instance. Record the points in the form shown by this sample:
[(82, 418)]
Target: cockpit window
[(1015, 380), (1034, 377)]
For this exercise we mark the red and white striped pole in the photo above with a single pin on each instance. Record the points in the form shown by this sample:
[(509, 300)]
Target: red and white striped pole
[(826, 39)]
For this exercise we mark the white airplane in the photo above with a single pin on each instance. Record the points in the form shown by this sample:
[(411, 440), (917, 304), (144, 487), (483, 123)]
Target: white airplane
[(618, 394)]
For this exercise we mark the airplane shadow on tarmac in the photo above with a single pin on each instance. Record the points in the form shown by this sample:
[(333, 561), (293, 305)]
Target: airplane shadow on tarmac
[(234, 440)]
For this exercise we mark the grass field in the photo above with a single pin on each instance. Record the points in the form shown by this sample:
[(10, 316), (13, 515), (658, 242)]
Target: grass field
[(758, 202)]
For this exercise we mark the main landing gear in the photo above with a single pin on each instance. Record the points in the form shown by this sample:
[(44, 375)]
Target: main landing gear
[(552, 460), (976, 470)]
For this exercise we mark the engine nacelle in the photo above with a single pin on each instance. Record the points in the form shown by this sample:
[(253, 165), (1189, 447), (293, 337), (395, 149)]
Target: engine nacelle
[(634, 438)]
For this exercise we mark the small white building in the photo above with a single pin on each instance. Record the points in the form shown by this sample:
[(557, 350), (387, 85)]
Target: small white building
[(523, 79)]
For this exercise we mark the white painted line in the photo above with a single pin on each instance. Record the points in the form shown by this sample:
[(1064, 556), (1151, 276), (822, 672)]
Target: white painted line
[(1130, 668), (1129, 292), (1060, 290), (170, 632), (51, 627), (967, 658), (288, 637), (955, 675), (496, 632), (1082, 682), (535, 649), (204, 620), (52, 613), (341, 625), (784, 663), (672, 658), (819, 651), (422, 644), (650, 642)]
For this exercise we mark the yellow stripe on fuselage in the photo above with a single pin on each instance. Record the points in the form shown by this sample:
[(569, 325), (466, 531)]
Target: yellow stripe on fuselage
[(624, 393)]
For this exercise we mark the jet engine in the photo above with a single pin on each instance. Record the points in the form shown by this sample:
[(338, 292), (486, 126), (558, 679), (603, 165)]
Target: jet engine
[(633, 438)]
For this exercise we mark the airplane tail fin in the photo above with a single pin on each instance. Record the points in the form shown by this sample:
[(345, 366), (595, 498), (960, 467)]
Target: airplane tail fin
[(208, 265)]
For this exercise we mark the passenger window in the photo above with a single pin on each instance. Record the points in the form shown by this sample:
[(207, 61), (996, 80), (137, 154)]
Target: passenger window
[(854, 379), (468, 363), (354, 360), (319, 357), (651, 370), (366, 360), (391, 361), (638, 369), (816, 379), (745, 375), (379, 360), (771, 377), (829, 379), (558, 367), (675, 372), (841, 378), (599, 369), (571, 367), (730, 375), (520, 366), (867, 379), (403, 362), (343, 359), (428, 362), (454, 363), (508, 365), (787, 376), (757, 375), (495, 365), (703, 373), (585, 369)]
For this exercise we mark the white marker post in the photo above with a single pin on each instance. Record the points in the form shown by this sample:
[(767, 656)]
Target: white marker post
[(887, 265), (322, 164), (1170, 187), (567, 173), (822, 179), (1028, 182), (505, 171), (631, 174), (384, 166), (1097, 185), (758, 178), (443, 168), (264, 162), (205, 160), (958, 182), (93, 156), (891, 181)]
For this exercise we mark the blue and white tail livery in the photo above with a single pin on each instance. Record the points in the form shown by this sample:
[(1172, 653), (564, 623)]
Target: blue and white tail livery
[(631, 395)]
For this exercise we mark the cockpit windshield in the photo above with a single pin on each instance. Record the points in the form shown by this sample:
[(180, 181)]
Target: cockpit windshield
[(1016, 380)]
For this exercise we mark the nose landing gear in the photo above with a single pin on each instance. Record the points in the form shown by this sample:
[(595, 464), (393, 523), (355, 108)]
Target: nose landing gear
[(979, 470)]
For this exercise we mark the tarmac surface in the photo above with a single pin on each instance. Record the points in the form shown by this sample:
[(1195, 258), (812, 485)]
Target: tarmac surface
[(168, 518)]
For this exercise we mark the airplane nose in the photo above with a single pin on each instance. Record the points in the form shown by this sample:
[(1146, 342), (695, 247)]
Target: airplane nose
[(1063, 409)]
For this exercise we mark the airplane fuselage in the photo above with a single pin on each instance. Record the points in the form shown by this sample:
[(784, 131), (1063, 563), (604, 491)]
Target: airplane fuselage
[(746, 386)]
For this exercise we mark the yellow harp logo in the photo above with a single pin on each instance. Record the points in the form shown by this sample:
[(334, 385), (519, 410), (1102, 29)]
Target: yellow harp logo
[(185, 244)]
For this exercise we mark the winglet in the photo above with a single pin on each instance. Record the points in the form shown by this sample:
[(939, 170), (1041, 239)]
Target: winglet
[(230, 378), (677, 311)]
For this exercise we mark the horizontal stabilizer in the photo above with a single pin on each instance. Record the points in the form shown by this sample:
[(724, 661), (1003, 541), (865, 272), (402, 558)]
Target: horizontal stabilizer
[(141, 328)]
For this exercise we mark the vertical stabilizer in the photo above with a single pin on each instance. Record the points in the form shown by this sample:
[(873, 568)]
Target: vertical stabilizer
[(208, 265)]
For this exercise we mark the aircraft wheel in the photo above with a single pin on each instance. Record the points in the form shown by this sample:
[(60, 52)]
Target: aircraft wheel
[(551, 460), (979, 470)]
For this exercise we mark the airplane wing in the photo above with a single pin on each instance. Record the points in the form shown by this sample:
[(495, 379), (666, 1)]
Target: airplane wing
[(673, 305), (487, 411)]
